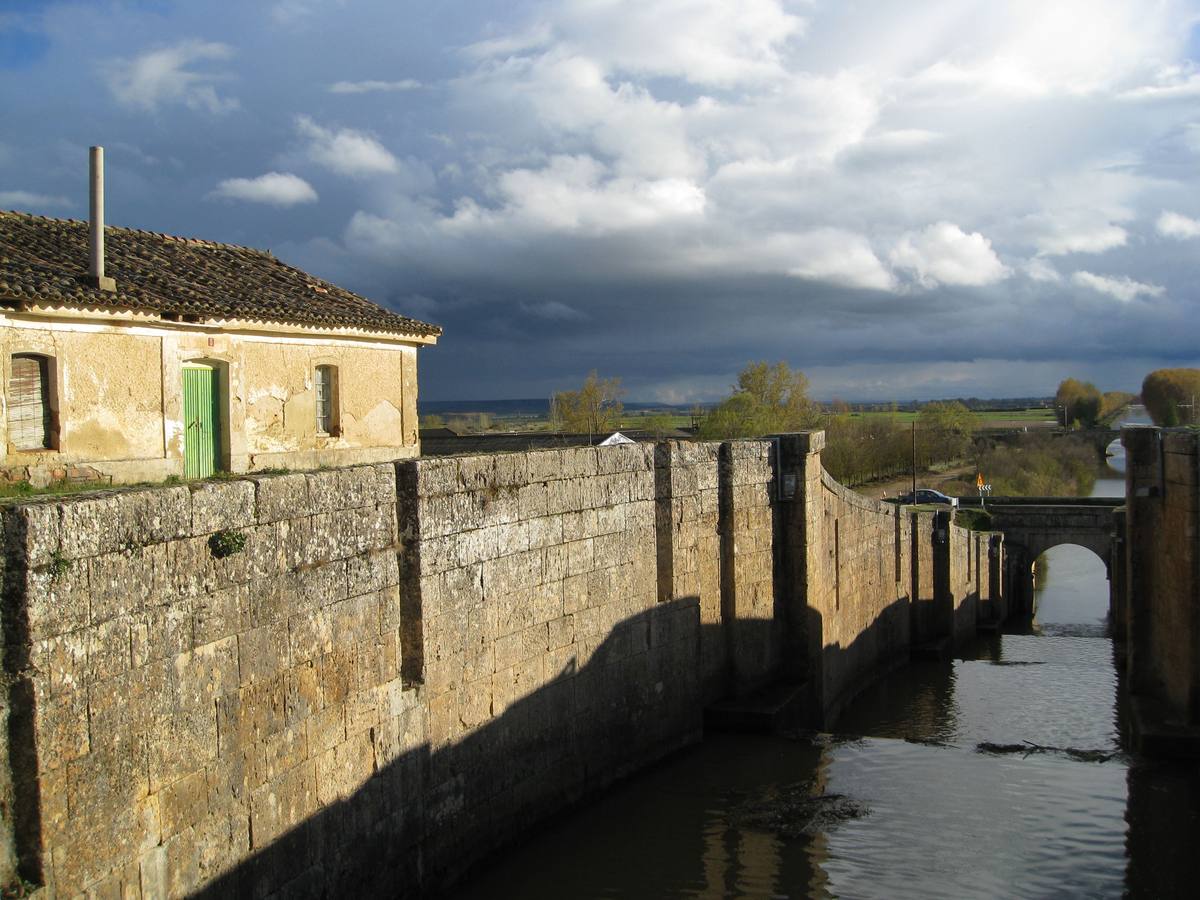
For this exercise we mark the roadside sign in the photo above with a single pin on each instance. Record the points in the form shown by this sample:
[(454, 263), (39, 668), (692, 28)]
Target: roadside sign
[(979, 481)]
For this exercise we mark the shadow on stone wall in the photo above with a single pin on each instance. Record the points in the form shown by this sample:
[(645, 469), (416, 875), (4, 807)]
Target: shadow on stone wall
[(425, 818), (395, 812), (880, 647)]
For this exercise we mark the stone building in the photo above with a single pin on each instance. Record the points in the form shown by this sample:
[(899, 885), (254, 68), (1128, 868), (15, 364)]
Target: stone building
[(189, 357)]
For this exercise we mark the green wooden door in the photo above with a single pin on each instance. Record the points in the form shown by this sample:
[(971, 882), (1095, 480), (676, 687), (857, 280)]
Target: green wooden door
[(202, 422)]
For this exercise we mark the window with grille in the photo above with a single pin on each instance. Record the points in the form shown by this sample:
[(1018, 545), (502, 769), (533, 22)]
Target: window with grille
[(30, 420), (326, 384)]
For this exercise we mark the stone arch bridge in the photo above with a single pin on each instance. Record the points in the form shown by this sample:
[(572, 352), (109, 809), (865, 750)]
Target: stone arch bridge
[(1033, 525), (1100, 439)]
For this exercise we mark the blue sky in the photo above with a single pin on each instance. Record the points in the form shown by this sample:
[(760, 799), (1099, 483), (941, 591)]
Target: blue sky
[(902, 199)]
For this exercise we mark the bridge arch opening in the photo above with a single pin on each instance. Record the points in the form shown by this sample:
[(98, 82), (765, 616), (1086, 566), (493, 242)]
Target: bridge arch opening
[(1071, 586)]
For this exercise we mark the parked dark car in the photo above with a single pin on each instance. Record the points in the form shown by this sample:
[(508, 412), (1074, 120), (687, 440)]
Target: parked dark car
[(926, 495)]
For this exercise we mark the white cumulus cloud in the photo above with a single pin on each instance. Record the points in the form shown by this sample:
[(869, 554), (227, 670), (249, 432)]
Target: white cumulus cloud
[(1032, 48), (1121, 287), (944, 254), (705, 43), (839, 257), (275, 188), (1040, 270), (372, 87), (576, 193), (162, 76), (1178, 226), (30, 200), (828, 255), (553, 311), (1093, 239), (1172, 82), (346, 151)]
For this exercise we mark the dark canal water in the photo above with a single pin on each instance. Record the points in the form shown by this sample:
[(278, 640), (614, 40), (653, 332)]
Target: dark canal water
[(1001, 773)]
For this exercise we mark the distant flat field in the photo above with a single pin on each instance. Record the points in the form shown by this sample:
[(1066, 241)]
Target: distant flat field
[(984, 418), (640, 421), (997, 418)]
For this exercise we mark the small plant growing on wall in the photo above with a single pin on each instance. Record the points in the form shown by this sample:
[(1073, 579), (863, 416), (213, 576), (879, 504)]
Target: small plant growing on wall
[(18, 887), (227, 542), (59, 565)]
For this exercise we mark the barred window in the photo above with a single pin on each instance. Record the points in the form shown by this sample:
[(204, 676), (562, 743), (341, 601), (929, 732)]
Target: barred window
[(326, 385)]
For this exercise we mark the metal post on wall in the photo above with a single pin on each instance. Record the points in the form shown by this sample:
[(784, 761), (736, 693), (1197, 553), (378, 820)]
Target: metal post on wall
[(914, 462)]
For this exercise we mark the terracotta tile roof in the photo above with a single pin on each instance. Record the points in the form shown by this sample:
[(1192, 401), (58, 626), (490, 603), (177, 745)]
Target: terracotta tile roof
[(44, 259)]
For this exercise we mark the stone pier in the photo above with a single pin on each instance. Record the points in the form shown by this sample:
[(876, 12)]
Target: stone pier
[(1160, 613)]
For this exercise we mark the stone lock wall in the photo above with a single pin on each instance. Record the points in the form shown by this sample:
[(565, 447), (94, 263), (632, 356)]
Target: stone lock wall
[(866, 581), (175, 711), (688, 546), (863, 591), (362, 680), (1162, 572), (929, 619), (964, 583), (544, 643), (335, 691), (752, 622)]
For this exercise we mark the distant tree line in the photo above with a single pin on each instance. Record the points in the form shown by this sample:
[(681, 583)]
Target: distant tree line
[(595, 408), (976, 404), (771, 399), (1079, 404), (1170, 396), (766, 400), (858, 450)]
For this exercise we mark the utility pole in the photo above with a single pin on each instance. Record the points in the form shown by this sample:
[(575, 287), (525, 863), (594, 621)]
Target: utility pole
[(914, 461)]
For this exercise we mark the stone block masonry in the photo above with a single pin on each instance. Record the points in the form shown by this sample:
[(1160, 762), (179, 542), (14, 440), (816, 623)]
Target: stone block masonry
[(861, 582), (175, 710), (688, 546), (1161, 596), (359, 681), (543, 638)]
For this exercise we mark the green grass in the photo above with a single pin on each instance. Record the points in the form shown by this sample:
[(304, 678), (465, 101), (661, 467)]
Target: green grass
[(984, 418), (19, 490), (974, 519), (22, 490), (992, 418), (636, 421)]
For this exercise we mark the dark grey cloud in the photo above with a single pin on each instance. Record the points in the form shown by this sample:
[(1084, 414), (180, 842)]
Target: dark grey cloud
[(902, 199)]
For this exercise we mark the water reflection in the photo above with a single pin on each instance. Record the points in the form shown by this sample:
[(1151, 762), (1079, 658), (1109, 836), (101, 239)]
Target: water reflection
[(1112, 482), (704, 824)]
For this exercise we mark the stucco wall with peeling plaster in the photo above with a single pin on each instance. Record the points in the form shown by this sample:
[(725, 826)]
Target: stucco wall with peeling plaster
[(117, 398)]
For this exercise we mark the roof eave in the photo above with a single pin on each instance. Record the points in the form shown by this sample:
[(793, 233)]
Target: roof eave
[(142, 316)]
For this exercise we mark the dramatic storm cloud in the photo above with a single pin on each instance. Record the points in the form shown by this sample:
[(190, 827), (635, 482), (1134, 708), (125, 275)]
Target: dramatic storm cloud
[(903, 199)]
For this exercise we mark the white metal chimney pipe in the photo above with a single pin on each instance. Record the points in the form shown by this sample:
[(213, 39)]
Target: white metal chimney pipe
[(96, 261)]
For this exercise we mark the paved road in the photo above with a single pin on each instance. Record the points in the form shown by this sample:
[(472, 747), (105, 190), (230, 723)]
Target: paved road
[(880, 489)]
